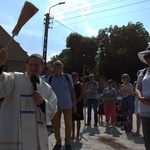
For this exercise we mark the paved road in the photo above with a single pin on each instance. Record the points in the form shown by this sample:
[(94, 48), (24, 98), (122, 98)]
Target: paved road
[(102, 138)]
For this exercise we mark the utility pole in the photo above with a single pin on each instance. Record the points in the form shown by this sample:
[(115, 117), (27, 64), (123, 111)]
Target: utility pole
[(46, 23), (47, 18)]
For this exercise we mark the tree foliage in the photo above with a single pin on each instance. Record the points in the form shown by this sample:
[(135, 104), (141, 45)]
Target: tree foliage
[(118, 47), (110, 54), (80, 51)]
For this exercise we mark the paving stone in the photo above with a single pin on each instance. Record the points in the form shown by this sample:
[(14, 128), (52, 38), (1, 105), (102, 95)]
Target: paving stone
[(102, 138)]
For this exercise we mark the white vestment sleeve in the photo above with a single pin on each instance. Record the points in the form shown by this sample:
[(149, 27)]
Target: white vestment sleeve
[(51, 106), (6, 84)]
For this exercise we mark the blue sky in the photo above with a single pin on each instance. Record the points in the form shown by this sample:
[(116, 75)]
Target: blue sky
[(84, 17)]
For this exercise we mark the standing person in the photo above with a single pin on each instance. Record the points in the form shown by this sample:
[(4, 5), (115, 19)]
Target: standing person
[(101, 112), (143, 93), (78, 116), (110, 97), (126, 91), (63, 87), (92, 99), (47, 73), (137, 110), (45, 77), (25, 110)]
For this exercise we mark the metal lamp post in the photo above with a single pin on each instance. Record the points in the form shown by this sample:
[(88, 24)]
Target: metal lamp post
[(46, 23)]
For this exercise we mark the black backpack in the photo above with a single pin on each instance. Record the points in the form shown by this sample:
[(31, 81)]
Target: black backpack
[(89, 83), (66, 76)]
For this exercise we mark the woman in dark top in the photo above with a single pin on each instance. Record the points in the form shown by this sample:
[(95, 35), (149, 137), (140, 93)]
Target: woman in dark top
[(78, 116)]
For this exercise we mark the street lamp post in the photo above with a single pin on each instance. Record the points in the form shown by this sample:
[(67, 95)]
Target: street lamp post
[(46, 23)]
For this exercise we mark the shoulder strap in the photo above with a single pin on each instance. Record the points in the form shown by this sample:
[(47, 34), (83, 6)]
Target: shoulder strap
[(87, 84), (144, 71), (67, 78), (94, 83), (105, 90), (50, 79)]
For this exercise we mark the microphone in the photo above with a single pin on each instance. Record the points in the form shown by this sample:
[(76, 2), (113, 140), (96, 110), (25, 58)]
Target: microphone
[(34, 79)]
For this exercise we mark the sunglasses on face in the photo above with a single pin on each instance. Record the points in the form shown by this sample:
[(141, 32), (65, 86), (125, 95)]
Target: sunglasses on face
[(124, 77)]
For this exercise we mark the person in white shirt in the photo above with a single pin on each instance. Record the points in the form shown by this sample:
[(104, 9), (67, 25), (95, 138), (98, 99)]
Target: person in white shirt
[(143, 93)]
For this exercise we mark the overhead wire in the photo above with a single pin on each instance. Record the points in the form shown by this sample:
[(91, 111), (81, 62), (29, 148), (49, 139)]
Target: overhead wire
[(91, 7), (109, 9), (64, 26), (109, 16), (104, 3), (105, 16), (98, 18)]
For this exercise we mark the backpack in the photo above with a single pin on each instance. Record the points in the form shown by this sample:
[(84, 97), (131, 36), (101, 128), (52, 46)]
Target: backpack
[(66, 76), (94, 83), (144, 71)]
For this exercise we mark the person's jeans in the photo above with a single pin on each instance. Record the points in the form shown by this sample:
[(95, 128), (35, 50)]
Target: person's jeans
[(90, 103), (56, 123)]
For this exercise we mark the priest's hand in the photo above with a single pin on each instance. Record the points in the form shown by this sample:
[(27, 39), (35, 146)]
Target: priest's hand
[(38, 97), (3, 56)]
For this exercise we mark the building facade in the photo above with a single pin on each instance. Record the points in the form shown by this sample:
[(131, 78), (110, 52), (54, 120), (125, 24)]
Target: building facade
[(17, 57)]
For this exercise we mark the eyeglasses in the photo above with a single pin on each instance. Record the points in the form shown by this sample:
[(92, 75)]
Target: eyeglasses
[(147, 56), (124, 77), (58, 64)]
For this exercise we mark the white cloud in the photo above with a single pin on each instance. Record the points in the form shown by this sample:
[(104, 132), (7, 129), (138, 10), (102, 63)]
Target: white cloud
[(50, 55), (89, 31)]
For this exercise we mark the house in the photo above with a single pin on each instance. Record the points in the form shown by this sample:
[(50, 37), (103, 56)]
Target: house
[(17, 57)]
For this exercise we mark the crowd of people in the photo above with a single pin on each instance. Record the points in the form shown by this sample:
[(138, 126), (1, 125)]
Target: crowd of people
[(30, 101)]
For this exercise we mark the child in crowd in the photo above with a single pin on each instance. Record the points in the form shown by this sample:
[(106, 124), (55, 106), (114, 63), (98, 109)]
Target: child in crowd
[(100, 110), (119, 113)]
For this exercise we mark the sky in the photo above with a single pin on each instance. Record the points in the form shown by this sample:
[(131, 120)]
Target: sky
[(84, 17)]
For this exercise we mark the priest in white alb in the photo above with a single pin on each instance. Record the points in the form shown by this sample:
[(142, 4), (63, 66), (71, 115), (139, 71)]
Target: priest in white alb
[(27, 105)]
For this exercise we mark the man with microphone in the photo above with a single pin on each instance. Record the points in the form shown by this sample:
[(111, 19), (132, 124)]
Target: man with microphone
[(28, 104)]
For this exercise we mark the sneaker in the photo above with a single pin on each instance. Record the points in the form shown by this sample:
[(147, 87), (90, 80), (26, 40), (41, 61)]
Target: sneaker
[(57, 147), (68, 147), (106, 125)]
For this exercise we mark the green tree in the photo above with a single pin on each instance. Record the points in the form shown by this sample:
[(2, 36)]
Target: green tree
[(83, 50), (118, 48)]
